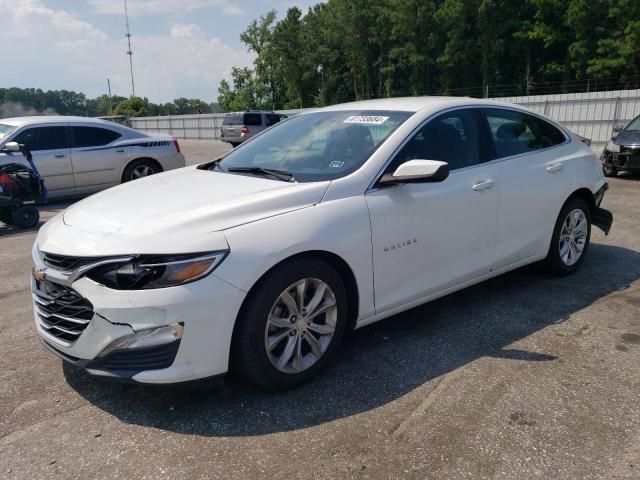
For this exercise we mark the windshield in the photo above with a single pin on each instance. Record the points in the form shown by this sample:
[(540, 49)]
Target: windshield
[(634, 125), (5, 130), (317, 146)]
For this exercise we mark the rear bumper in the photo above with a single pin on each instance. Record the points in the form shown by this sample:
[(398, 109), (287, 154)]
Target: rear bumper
[(601, 218)]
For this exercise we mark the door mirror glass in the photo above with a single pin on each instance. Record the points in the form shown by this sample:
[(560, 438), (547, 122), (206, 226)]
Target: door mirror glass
[(417, 171), (616, 130), (11, 147)]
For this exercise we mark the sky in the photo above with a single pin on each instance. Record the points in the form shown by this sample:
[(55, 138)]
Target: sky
[(181, 48)]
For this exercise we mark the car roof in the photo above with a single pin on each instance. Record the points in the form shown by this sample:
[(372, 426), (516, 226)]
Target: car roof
[(412, 104), (19, 121)]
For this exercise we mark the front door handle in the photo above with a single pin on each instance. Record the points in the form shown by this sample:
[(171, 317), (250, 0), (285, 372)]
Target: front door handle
[(60, 156), (483, 185), (120, 151), (554, 167)]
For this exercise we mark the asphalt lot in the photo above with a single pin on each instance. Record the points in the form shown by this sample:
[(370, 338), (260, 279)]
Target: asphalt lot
[(524, 376)]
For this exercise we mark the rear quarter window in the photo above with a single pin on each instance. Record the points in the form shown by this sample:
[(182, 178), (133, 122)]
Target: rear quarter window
[(232, 119)]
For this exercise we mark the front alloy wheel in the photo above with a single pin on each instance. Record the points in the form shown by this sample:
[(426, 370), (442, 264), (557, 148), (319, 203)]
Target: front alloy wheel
[(291, 325), (301, 325)]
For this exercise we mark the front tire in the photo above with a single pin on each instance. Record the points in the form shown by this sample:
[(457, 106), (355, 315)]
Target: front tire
[(292, 325), (139, 169), (571, 236)]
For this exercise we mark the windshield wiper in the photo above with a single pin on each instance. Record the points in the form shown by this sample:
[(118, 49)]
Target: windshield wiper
[(279, 174)]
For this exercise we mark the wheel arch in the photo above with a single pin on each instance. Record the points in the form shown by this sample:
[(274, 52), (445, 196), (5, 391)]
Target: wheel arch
[(151, 159), (586, 195), (337, 262)]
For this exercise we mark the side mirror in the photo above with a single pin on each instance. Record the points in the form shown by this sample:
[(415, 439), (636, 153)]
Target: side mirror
[(11, 147), (616, 130), (417, 171)]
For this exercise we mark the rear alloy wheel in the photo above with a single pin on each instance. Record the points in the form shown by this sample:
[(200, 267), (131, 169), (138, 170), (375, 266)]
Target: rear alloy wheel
[(292, 325), (139, 169), (570, 237), (609, 170)]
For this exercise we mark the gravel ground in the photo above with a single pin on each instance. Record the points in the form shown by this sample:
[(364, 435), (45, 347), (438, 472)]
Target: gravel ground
[(523, 376)]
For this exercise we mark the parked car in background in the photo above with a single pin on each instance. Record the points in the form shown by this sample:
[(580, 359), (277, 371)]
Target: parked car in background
[(622, 153), (79, 156), (332, 220), (240, 126)]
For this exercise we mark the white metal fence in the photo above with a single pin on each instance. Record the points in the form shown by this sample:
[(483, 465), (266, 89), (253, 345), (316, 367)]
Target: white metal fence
[(592, 115)]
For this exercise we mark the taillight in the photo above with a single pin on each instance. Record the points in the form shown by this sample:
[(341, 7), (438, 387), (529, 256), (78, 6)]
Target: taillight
[(244, 130), (176, 144)]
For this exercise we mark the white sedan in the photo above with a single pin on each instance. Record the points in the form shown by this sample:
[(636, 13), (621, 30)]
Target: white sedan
[(327, 221), (78, 155)]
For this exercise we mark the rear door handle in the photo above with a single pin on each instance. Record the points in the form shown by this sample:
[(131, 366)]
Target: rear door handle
[(120, 151), (554, 167), (483, 185), (60, 156)]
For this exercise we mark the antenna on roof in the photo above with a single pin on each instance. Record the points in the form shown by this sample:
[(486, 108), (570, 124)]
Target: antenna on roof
[(129, 51)]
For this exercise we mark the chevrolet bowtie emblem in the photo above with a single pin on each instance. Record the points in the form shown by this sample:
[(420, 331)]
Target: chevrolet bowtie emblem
[(39, 273)]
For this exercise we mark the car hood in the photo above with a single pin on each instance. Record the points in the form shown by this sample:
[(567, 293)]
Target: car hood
[(177, 208), (628, 137)]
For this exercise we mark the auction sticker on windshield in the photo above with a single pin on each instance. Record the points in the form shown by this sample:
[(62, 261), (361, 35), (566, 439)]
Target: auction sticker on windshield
[(367, 119)]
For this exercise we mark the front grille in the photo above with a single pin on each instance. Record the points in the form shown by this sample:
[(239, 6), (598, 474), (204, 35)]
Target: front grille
[(65, 263), (61, 311)]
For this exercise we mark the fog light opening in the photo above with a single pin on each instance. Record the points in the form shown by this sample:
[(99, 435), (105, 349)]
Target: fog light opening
[(151, 337)]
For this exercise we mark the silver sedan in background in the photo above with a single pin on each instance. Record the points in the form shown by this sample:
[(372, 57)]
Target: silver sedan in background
[(80, 156)]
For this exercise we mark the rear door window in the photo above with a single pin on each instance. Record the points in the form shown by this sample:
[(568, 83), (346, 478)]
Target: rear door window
[(252, 119), (92, 136), (43, 138), (515, 133)]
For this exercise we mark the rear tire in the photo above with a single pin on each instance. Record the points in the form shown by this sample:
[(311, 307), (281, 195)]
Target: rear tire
[(140, 168), (6, 215), (609, 170), (277, 343), (26, 217), (234, 144), (570, 240)]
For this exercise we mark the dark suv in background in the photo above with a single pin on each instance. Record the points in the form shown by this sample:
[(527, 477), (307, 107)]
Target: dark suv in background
[(622, 153), (240, 126)]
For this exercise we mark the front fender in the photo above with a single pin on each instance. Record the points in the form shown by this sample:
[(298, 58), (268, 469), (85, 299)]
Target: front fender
[(340, 227)]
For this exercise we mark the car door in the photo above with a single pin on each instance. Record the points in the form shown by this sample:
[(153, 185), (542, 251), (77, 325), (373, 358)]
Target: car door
[(533, 179), (97, 162), (49, 147), (428, 237)]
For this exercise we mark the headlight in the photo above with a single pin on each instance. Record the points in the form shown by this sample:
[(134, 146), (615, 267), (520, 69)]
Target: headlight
[(157, 271), (612, 147)]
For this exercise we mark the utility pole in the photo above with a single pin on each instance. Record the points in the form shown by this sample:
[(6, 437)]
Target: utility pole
[(110, 103), (129, 51)]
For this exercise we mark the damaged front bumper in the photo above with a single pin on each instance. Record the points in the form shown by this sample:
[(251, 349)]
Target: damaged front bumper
[(169, 335)]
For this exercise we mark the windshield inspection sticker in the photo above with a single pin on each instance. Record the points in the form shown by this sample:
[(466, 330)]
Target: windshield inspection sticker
[(367, 119)]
